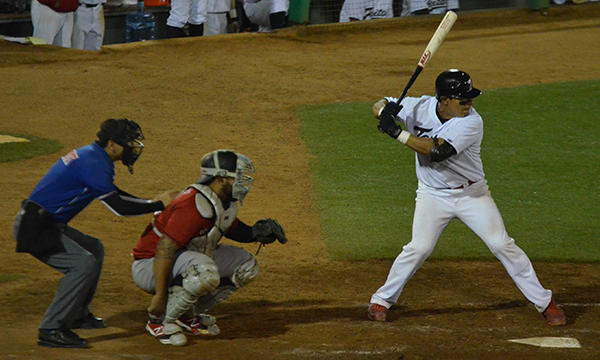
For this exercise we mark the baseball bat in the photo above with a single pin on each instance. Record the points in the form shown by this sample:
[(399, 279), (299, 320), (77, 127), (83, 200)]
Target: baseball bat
[(435, 42)]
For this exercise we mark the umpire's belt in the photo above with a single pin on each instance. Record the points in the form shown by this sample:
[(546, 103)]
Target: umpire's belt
[(38, 231)]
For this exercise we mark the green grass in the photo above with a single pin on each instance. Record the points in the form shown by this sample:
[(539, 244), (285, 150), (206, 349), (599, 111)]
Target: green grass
[(4, 278), (36, 146), (541, 162)]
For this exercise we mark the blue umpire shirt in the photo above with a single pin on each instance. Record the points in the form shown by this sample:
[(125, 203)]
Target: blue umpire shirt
[(74, 181)]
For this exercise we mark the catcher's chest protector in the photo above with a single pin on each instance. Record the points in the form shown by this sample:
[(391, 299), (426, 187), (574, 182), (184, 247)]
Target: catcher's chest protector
[(209, 205)]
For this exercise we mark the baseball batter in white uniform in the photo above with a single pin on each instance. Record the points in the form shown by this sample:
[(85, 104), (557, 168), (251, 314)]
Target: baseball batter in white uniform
[(355, 10), (88, 30), (446, 132)]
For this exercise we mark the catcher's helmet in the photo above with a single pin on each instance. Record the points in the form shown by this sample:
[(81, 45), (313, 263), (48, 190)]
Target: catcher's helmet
[(227, 163), (126, 133), (455, 84)]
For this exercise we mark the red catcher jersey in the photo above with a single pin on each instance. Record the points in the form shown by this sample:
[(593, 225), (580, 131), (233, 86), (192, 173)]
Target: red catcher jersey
[(180, 221)]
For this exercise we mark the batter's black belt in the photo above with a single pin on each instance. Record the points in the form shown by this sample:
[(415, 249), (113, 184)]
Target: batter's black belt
[(464, 186), (89, 5)]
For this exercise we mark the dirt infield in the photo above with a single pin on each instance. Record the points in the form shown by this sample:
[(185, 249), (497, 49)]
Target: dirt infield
[(240, 91)]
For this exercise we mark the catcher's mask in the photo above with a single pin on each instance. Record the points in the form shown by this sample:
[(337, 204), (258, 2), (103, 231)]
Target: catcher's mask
[(227, 163), (126, 133), (455, 84)]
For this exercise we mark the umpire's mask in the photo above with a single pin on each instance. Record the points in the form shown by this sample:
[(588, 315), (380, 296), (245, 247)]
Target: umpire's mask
[(126, 133)]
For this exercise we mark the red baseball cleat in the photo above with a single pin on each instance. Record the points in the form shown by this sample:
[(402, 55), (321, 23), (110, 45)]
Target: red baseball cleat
[(554, 315), (377, 312)]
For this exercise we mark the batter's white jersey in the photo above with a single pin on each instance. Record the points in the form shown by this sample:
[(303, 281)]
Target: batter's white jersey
[(463, 133)]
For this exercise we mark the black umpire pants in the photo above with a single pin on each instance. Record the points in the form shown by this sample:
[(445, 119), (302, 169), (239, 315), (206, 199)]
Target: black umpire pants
[(81, 263)]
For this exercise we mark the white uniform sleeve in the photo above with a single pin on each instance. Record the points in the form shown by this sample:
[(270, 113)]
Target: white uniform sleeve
[(463, 132)]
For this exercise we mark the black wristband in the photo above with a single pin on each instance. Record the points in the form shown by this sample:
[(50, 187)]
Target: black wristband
[(395, 132)]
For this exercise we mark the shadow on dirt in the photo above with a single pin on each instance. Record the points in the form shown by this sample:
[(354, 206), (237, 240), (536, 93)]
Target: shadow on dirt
[(263, 319)]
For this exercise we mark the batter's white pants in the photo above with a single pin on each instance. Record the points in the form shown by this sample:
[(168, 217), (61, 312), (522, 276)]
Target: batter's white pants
[(187, 11), (54, 27), (475, 207), (88, 30)]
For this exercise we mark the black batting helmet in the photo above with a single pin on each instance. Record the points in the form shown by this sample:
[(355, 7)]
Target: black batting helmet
[(455, 84)]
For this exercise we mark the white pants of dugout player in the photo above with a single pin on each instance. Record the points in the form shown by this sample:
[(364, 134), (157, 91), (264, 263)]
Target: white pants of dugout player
[(192, 12), (475, 207), (259, 11), (54, 27), (88, 29), (236, 268), (81, 263)]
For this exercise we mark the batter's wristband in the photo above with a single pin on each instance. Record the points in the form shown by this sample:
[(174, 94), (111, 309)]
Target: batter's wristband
[(403, 137)]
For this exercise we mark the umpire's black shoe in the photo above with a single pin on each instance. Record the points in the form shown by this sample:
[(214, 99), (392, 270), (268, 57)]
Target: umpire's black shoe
[(88, 322), (60, 338)]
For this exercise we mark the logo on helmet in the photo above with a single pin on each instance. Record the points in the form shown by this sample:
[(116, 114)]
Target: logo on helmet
[(455, 84)]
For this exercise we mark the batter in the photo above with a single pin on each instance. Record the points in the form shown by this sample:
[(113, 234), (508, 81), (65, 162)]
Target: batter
[(446, 132)]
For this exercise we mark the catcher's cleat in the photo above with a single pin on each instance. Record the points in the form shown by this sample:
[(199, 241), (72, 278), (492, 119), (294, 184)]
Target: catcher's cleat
[(169, 334), (377, 312), (202, 324), (554, 315)]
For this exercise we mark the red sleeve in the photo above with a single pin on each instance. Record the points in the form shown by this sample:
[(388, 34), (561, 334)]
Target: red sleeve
[(185, 222)]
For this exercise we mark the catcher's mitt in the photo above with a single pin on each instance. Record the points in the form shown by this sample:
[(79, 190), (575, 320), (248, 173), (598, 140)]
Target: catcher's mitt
[(266, 231)]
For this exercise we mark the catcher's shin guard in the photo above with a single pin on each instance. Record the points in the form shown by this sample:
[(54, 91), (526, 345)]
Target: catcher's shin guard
[(242, 277), (198, 280)]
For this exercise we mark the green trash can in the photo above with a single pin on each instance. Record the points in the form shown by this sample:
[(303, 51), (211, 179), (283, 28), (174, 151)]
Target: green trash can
[(539, 4), (299, 11)]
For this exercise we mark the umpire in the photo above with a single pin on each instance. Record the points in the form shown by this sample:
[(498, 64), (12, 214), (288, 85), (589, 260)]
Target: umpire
[(41, 229)]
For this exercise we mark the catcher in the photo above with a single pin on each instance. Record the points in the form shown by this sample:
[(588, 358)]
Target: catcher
[(179, 258)]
